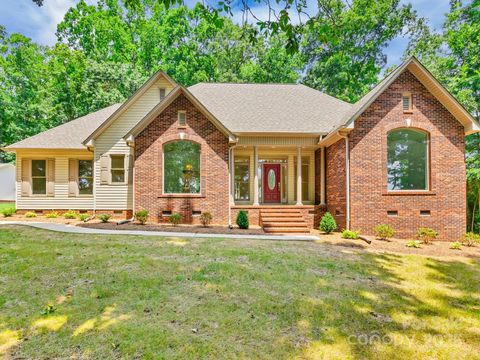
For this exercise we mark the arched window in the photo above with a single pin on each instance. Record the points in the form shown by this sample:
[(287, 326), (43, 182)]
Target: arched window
[(407, 163), (181, 167)]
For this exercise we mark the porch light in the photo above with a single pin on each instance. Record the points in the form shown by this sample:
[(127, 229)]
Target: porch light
[(182, 135)]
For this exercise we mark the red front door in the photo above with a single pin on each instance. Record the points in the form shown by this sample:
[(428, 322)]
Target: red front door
[(271, 183)]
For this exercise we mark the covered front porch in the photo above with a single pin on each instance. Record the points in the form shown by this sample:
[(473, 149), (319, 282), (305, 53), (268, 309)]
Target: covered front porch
[(279, 177)]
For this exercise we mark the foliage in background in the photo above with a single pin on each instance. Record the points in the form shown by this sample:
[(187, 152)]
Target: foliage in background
[(452, 55), (106, 51), (344, 46)]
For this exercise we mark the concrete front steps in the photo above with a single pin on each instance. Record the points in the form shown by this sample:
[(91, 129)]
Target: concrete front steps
[(282, 220)]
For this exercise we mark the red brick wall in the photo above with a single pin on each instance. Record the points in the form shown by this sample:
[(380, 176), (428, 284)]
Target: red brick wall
[(335, 182), (446, 199), (213, 165)]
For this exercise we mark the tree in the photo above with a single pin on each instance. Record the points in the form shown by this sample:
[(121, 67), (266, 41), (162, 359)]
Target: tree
[(451, 54), (344, 45)]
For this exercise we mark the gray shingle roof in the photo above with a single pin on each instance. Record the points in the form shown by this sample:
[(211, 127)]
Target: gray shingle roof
[(69, 135), (277, 108)]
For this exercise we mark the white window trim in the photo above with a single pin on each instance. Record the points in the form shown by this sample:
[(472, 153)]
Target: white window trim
[(85, 177), (427, 165), (124, 182), (199, 193), (38, 177)]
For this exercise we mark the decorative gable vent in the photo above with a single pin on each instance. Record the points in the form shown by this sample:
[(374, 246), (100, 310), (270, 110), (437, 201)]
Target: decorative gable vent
[(182, 118), (163, 93), (407, 102)]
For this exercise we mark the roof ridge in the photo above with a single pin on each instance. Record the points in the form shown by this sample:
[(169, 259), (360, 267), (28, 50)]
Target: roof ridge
[(245, 83)]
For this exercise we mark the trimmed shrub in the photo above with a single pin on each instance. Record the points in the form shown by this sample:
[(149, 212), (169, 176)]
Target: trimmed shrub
[(30, 214), (327, 224), (413, 244), (142, 216), (104, 217), (242, 220), (350, 234), (7, 212), (83, 217), (52, 215), (206, 219), (426, 235), (457, 245), (175, 219), (470, 239), (384, 231), (70, 214)]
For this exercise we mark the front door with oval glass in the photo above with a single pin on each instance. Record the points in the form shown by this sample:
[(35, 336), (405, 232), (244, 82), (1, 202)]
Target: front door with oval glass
[(271, 183)]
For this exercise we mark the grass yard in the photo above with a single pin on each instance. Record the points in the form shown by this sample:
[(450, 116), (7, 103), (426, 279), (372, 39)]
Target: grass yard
[(6, 205), (78, 296)]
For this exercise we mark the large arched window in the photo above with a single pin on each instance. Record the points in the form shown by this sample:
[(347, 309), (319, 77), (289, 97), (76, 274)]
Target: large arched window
[(407, 163), (181, 167)]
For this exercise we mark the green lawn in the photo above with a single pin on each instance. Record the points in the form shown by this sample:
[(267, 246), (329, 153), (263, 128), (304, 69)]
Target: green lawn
[(145, 297), (6, 205)]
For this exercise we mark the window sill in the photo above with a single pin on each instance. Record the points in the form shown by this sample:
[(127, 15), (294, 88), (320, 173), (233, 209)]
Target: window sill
[(409, 193), (408, 111), (181, 196)]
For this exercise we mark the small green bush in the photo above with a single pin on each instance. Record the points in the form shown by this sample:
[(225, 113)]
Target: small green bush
[(83, 217), (30, 214), (52, 215), (457, 245), (142, 216), (206, 218), (175, 219), (7, 212), (426, 235), (413, 244), (328, 224), (70, 214), (384, 231), (470, 239), (104, 217), (242, 219), (350, 234)]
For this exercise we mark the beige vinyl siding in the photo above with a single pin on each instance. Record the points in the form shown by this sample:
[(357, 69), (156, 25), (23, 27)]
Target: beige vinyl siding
[(110, 141), (60, 200)]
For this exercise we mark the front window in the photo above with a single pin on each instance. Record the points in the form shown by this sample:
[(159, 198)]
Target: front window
[(407, 163), (118, 168), (39, 177), (181, 167), (85, 177), (242, 179)]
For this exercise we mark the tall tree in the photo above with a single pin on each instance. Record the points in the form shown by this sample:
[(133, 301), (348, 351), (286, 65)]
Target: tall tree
[(452, 55), (344, 46)]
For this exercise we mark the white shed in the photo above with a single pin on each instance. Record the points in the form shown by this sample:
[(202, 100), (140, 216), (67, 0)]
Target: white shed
[(7, 182)]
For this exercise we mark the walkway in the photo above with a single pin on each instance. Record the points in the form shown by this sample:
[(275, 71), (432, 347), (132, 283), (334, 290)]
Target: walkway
[(80, 230)]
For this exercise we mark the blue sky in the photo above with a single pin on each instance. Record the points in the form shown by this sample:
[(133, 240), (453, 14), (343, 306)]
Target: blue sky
[(25, 17)]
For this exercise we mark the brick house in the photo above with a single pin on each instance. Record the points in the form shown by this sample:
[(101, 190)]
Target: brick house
[(285, 153)]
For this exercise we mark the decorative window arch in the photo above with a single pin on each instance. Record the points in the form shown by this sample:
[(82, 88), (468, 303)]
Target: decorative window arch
[(407, 159), (181, 167)]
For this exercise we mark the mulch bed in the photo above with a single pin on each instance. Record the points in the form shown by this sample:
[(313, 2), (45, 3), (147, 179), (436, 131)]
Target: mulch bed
[(437, 248), (167, 227)]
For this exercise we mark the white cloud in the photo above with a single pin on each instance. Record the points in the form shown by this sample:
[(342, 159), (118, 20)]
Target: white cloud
[(39, 23)]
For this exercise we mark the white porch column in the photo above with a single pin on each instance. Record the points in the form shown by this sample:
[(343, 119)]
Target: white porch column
[(299, 176), (232, 176), (322, 176), (255, 176)]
